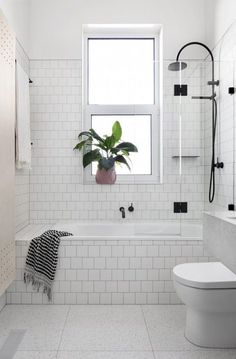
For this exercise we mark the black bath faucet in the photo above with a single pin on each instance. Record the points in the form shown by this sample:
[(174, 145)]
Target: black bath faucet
[(122, 210)]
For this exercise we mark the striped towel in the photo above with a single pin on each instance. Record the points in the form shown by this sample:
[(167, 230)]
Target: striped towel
[(41, 260)]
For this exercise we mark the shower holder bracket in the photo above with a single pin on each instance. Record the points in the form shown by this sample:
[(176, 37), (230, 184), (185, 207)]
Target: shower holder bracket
[(216, 83)]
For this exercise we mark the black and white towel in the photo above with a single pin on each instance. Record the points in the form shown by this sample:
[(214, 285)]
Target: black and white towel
[(41, 260)]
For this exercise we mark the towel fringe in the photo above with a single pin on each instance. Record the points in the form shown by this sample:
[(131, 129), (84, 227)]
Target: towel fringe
[(37, 284)]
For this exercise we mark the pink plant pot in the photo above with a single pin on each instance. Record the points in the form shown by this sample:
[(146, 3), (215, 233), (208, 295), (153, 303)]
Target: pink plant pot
[(106, 176)]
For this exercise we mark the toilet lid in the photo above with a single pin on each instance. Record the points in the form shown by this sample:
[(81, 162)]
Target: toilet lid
[(205, 275)]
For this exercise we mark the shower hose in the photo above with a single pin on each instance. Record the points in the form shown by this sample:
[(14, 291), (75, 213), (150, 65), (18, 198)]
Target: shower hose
[(212, 175)]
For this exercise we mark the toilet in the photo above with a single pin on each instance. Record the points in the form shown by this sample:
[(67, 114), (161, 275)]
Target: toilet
[(209, 292)]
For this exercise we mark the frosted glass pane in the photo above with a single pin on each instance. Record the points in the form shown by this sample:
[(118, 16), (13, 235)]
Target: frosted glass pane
[(135, 129), (121, 71)]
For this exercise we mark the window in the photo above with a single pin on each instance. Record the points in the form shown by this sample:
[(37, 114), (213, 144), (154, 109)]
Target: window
[(122, 81), (121, 71)]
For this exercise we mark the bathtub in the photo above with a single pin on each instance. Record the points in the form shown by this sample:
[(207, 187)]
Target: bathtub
[(166, 230), (112, 262)]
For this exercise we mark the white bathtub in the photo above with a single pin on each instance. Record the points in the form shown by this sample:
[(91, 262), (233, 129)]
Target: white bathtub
[(167, 230)]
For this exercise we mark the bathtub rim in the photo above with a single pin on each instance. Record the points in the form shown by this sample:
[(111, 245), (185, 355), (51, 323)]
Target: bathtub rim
[(33, 230)]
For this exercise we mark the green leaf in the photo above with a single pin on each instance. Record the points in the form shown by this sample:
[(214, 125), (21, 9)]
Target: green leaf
[(109, 142), (117, 131), (84, 133), (100, 145), (114, 150), (90, 157), (121, 159), (127, 146), (106, 163), (125, 153), (81, 144), (96, 136)]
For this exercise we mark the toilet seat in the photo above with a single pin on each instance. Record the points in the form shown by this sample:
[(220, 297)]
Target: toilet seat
[(212, 275)]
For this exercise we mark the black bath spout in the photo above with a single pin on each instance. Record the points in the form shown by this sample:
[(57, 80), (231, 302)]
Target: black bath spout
[(122, 210)]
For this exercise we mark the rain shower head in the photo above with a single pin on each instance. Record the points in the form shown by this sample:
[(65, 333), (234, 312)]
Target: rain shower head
[(177, 66)]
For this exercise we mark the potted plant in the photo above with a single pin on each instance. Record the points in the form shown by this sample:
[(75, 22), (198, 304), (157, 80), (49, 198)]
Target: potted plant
[(110, 150)]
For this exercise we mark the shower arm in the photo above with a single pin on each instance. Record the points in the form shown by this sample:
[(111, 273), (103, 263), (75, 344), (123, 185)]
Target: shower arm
[(195, 43), (213, 83)]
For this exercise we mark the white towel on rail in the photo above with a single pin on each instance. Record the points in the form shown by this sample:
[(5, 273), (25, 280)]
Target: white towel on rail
[(23, 143)]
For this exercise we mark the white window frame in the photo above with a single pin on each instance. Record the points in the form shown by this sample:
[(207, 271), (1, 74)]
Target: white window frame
[(155, 110)]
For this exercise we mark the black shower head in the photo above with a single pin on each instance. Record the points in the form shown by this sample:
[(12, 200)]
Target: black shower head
[(177, 66)]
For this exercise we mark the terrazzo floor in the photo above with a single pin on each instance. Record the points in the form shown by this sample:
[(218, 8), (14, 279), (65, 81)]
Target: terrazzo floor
[(101, 332)]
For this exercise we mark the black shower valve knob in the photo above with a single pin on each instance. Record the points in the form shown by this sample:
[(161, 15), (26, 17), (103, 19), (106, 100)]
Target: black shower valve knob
[(231, 207), (131, 208), (219, 164), (231, 90)]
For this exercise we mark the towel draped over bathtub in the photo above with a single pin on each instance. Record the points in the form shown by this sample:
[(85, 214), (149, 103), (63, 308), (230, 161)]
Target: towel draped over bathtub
[(41, 260)]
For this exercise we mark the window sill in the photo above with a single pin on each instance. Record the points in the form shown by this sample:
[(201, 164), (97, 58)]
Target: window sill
[(137, 179)]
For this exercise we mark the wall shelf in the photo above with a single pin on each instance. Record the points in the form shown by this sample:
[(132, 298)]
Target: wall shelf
[(186, 156)]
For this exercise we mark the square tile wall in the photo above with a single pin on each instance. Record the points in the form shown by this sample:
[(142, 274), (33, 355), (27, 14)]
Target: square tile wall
[(225, 62), (110, 272), (57, 191)]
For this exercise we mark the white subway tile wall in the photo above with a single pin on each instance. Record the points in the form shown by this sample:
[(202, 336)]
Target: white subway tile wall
[(57, 191), (110, 272), (124, 272), (226, 130)]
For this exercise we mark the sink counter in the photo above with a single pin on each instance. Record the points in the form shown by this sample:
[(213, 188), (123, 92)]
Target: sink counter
[(228, 216), (219, 236)]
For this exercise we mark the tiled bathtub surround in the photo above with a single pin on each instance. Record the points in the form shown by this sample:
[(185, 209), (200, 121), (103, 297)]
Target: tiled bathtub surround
[(57, 191), (110, 271)]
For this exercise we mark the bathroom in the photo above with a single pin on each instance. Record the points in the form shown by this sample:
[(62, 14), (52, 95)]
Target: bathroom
[(135, 250)]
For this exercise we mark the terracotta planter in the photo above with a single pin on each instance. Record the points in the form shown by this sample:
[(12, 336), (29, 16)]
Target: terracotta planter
[(106, 176)]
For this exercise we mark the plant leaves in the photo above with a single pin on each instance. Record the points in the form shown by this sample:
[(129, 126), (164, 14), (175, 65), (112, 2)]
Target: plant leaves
[(127, 146), (125, 153), (121, 159), (117, 131), (106, 163), (81, 144), (100, 145), (109, 142), (114, 150), (96, 136), (90, 157), (84, 133)]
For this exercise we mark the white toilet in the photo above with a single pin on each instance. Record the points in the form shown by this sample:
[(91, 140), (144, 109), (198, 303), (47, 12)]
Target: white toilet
[(209, 292)]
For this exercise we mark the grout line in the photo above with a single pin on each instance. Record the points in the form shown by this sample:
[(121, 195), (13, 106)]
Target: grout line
[(147, 331), (63, 329)]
